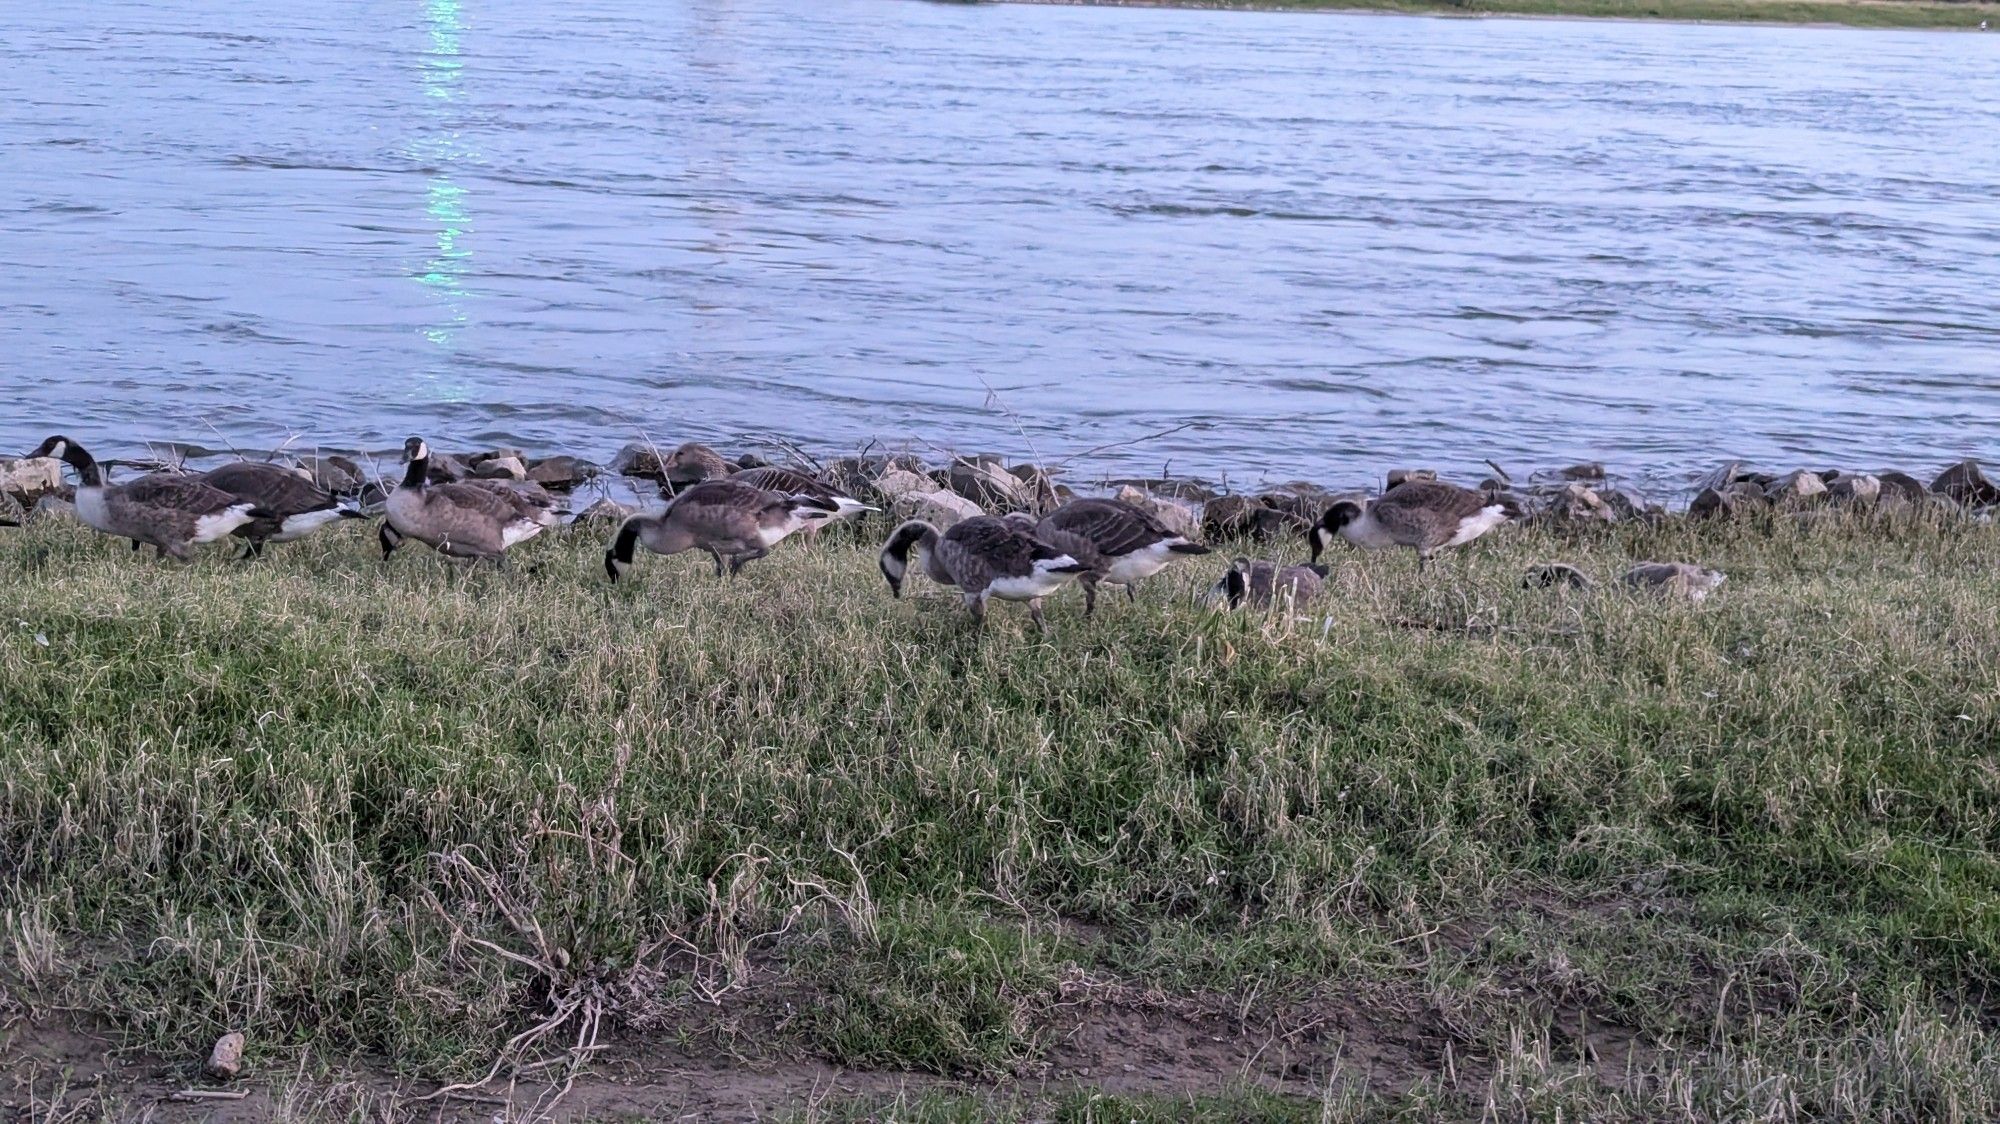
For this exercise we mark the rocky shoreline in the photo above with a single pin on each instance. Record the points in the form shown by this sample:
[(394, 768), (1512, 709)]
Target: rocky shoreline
[(945, 491)]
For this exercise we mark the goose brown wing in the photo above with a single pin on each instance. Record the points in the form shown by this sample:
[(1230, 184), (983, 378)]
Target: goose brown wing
[(1426, 512), (789, 481), (1115, 529), (278, 491), (472, 500), (722, 509), (189, 494), (978, 550)]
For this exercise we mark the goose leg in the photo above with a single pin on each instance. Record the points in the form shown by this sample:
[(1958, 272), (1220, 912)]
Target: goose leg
[(136, 544), (736, 563), (977, 605), (1035, 613), (1131, 595), (717, 555), (1089, 601)]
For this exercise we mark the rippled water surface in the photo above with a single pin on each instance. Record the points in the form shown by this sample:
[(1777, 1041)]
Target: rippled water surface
[(1336, 242)]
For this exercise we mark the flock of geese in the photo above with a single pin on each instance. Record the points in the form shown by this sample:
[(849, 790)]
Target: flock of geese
[(738, 516)]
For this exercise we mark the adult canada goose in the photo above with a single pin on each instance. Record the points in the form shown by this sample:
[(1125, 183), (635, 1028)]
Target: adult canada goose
[(168, 510), (1120, 542), (1262, 584), (726, 518), (1675, 578), (1424, 515), (529, 501), (297, 507), (984, 557), (458, 520), (694, 463)]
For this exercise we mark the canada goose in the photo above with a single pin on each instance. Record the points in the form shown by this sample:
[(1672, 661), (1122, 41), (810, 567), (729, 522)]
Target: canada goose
[(168, 510), (694, 463), (1263, 584), (722, 517), (1425, 515), (984, 557), (458, 520), (529, 501), (297, 506), (1677, 578), (1120, 542)]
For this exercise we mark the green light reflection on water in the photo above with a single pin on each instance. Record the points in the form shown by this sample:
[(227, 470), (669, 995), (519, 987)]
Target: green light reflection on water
[(444, 200)]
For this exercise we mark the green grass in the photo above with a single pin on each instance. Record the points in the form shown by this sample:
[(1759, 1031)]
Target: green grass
[(1589, 856), (1852, 13)]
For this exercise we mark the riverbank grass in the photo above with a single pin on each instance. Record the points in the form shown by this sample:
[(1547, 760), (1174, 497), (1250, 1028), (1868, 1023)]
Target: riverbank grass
[(1443, 848)]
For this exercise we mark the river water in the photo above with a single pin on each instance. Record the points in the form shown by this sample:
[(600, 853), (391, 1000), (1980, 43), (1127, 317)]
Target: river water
[(1335, 243)]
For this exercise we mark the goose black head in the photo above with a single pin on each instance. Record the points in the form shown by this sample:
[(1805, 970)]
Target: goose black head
[(1234, 587), (415, 450), (1339, 515), (895, 557), (618, 558), (58, 447)]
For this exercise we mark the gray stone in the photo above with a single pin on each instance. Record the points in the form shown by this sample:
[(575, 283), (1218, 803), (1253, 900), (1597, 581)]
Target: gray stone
[(939, 508), (1400, 475), (1858, 490), (337, 474), (1966, 483), (28, 479), (1579, 502), (606, 510), (987, 484), (499, 468), (1590, 470), (1800, 486), (897, 483), (1227, 517), (52, 506), (1175, 516), (640, 460), (561, 473)]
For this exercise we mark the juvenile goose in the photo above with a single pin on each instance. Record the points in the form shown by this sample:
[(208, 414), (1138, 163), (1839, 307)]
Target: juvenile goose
[(1675, 578), (694, 463), (1425, 515), (726, 518), (1263, 584), (984, 557), (458, 520), (1120, 542), (297, 507), (168, 510)]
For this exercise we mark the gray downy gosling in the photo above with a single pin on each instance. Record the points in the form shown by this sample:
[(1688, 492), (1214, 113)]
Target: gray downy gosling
[(167, 510), (983, 557), (1264, 584)]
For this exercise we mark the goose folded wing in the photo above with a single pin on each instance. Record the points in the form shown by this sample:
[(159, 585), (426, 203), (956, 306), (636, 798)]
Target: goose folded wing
[(181, 493), (1115, 529), (271, 487), (785, 480)]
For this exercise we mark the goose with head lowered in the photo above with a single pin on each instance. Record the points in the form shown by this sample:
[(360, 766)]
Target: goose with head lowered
[(1264, 584), (1121, 543), (167, 510), (1424, 515), (727, 518), (295, 506), (983, 557), (695, 463), (458, 520)]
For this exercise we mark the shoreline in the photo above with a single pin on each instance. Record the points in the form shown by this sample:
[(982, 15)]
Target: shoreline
[(1862, 15)]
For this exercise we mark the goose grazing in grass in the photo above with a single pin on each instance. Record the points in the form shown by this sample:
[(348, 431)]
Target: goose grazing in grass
[(984, 557), (1680, 579), (168, 510), (1120, 542), (1264, 584), (1424, 515), (694, 463), (297, 507), (528, 501), (458, 520), (726, 518)]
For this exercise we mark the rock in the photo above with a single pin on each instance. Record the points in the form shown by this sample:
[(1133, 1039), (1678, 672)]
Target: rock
[(52, 506), (1174, 515), (1590, 470), (1399, 475), (897, 483), (1040, 484), (561, 473), (28, 479), (1227, 517), (1966, 483), (640, 460), (225, 1060), (1625, 505), (1732, 500), (1861, 490), (499, 468), (11, 514), (1268, 524), (939, 508), (1307, 501), (606, 510), (1900, 488), (1552, 575), (987, 485), (337, 474), (1580, 502), (447, 469), (1796, 487)]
